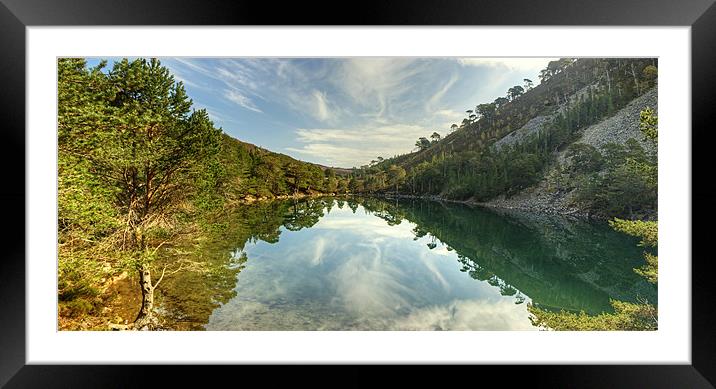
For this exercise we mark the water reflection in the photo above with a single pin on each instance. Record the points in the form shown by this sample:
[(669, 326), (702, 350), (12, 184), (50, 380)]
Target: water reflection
[(371, 264)]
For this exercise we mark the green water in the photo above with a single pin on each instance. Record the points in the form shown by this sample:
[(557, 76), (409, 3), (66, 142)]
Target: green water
[(372, 264)]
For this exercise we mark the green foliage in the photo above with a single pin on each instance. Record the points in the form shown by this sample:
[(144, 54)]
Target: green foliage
[(209, 186), (553, 68), (515, 92), (640, 316), (78, 276), (584, 158), (396, 176), (252, 171), (648, 124), (650, 270), (626, 317), (499, 102), (355, 185), (618, 181), (134, 130), (85, 205), (487, 110), (621, 179), (422, 143), (650, 72), (649, 233), (137, 165)]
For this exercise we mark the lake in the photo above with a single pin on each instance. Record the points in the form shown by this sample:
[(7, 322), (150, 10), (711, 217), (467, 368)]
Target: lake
[(388, 264)]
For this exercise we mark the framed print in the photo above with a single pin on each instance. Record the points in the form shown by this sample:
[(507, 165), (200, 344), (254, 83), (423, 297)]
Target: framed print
[(444, 183)]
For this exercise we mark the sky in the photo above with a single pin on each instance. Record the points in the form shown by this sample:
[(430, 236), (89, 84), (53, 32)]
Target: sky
[(344, 112)]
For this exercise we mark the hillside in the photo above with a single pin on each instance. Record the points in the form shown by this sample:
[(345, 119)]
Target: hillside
[(619, 128), (572, 81), (246, 172), (518, 150)]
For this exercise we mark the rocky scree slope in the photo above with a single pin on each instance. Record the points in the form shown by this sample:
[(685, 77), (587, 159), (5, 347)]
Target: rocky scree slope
[(620, 127)]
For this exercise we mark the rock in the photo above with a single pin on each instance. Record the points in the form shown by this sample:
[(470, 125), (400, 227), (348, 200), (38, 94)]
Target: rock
[(532, 127), (119, 327), (618, 128), (623, 125)]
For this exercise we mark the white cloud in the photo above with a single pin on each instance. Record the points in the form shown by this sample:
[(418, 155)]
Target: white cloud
[(191, 64), (179, 78), (435, 98), (449, 114), (312, 103), (465, 315), (515, 64), (238, 98), (351, 110), (355, 147), (236, 77), (377, 84), (321, 105)]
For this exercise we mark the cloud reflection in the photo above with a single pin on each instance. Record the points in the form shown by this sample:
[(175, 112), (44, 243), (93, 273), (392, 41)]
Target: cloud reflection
[(356, 272), (465, 315)]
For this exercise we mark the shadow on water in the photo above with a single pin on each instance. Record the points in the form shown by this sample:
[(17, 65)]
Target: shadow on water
[(551, 262)]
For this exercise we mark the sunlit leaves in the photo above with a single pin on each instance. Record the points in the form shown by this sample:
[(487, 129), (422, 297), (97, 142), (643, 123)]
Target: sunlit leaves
[(648, 124), (626, 317)]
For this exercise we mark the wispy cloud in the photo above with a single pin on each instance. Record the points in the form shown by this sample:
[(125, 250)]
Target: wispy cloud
[(377, 84), (435, 98), (238, 98), (345, 111), (522, 64), (239, 86), (185, 80), (312, 103), (355, 147), (321, 105)]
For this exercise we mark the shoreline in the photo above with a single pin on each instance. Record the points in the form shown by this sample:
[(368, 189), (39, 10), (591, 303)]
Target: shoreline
[(550, 211), (498, 204)]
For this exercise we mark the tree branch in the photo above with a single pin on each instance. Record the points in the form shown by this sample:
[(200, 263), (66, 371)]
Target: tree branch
[(160, 278)]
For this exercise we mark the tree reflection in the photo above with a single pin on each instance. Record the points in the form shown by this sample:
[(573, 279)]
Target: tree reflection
[(304, 214), (556, 264), (188, 298)]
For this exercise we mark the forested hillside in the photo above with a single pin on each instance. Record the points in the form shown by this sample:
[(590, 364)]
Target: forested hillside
[(505, 146), (247, 172)]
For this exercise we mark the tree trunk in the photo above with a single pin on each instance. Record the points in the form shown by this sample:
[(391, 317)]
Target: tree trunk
[(145, 318), (636, 81)]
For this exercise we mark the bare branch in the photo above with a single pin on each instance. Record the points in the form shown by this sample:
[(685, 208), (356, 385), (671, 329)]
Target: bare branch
[(180, 268), (160, 278), (158, 247)]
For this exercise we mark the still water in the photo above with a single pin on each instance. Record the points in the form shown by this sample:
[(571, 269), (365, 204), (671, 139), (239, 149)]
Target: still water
[(373, 264)]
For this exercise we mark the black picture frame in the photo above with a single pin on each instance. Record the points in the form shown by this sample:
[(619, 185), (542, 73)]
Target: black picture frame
[(16, 15)]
